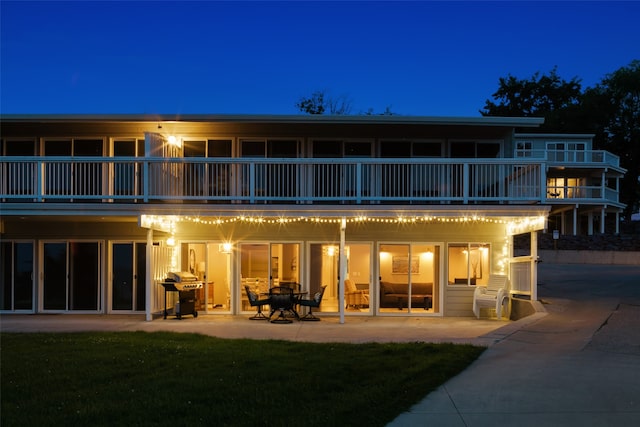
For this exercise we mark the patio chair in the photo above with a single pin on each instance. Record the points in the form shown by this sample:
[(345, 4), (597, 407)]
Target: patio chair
[(312, 303), (494, 295), (282, 300), (255, 301), (356, 298)]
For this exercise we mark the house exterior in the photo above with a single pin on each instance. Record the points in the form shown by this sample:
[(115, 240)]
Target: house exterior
[(397, 216)]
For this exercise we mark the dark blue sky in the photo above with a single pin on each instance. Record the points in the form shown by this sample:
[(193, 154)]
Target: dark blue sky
[(419, 58)]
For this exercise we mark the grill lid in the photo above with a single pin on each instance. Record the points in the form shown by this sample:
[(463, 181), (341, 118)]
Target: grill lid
[(181, 277)]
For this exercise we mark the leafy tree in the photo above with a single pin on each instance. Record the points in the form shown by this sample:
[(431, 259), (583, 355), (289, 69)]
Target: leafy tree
[(610, 110), (613, 105), (547, 96)]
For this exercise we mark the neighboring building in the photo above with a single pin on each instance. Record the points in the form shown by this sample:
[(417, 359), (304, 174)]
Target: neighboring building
[(395, 215)]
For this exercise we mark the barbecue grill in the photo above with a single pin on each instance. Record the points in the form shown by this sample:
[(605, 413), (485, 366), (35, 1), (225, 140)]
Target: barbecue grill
[(185, 284)]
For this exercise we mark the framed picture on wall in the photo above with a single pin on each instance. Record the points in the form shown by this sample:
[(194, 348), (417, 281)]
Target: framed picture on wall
[(400, 265)]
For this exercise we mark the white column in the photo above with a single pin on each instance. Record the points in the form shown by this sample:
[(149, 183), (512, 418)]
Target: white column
[(575, 221), (343, 268), (617, 222), (149, 275), (590, 222), (534, 266), (603, 213)]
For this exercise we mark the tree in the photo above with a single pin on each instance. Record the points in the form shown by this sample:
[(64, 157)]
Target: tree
[(548, 96), (320, 102), (613, 105)]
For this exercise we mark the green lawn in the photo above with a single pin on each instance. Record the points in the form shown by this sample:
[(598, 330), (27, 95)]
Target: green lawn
[(172, 379)]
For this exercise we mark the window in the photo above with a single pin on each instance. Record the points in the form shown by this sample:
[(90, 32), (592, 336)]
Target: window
[(475, 149), (339, 148), (566, 151), (272, 181), (269, 148), (407, 149), (74, 179), (126, 176), (18, 148), (327, 149), (468, 263), (18, 178), (524, 149), (427, 149), (219, 148)]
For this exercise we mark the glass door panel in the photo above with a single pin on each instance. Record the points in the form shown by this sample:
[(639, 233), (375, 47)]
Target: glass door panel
[(55, 276), (323, 271), (23, 276), (140, 277), (357, 286), (216, 278), (6, 277), (395, 267), (254, 270), (16, 279), (84, 279), (122, 284), (424, 277)]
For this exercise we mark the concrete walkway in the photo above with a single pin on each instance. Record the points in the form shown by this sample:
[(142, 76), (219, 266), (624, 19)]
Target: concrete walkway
[(577, 363), (577, 366)]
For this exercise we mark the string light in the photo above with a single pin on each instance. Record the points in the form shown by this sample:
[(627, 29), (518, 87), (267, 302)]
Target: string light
[(515, 226)]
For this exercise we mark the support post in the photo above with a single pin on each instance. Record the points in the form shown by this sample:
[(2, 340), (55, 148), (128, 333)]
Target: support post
[(343, 268), (148, 275), (534, 266)]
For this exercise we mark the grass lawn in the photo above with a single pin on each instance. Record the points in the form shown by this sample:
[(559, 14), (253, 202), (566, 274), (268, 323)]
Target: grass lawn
[(163, 378)]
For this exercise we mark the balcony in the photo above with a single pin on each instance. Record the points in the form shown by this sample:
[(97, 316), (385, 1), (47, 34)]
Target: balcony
[(276, 181), (571, 157)]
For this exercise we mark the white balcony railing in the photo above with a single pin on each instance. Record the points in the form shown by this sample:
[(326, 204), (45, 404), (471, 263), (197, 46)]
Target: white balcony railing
[(304, 180), (575, 157)]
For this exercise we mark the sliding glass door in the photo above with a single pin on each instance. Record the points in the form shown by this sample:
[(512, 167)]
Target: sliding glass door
[(409, 278), (128, 271), (264, 265), (16, 277), (71, 276)]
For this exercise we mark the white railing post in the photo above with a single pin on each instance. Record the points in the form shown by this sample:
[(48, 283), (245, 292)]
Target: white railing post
[(359, 182), (252, 182), (146, 182), (543, 184), (40, 181), (465, 183)]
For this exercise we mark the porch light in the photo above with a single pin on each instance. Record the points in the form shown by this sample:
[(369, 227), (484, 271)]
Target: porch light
[(171, 241), (225, 248), (172, 140)]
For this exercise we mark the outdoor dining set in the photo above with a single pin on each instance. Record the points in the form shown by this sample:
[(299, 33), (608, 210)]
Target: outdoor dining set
[(283, 302)]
